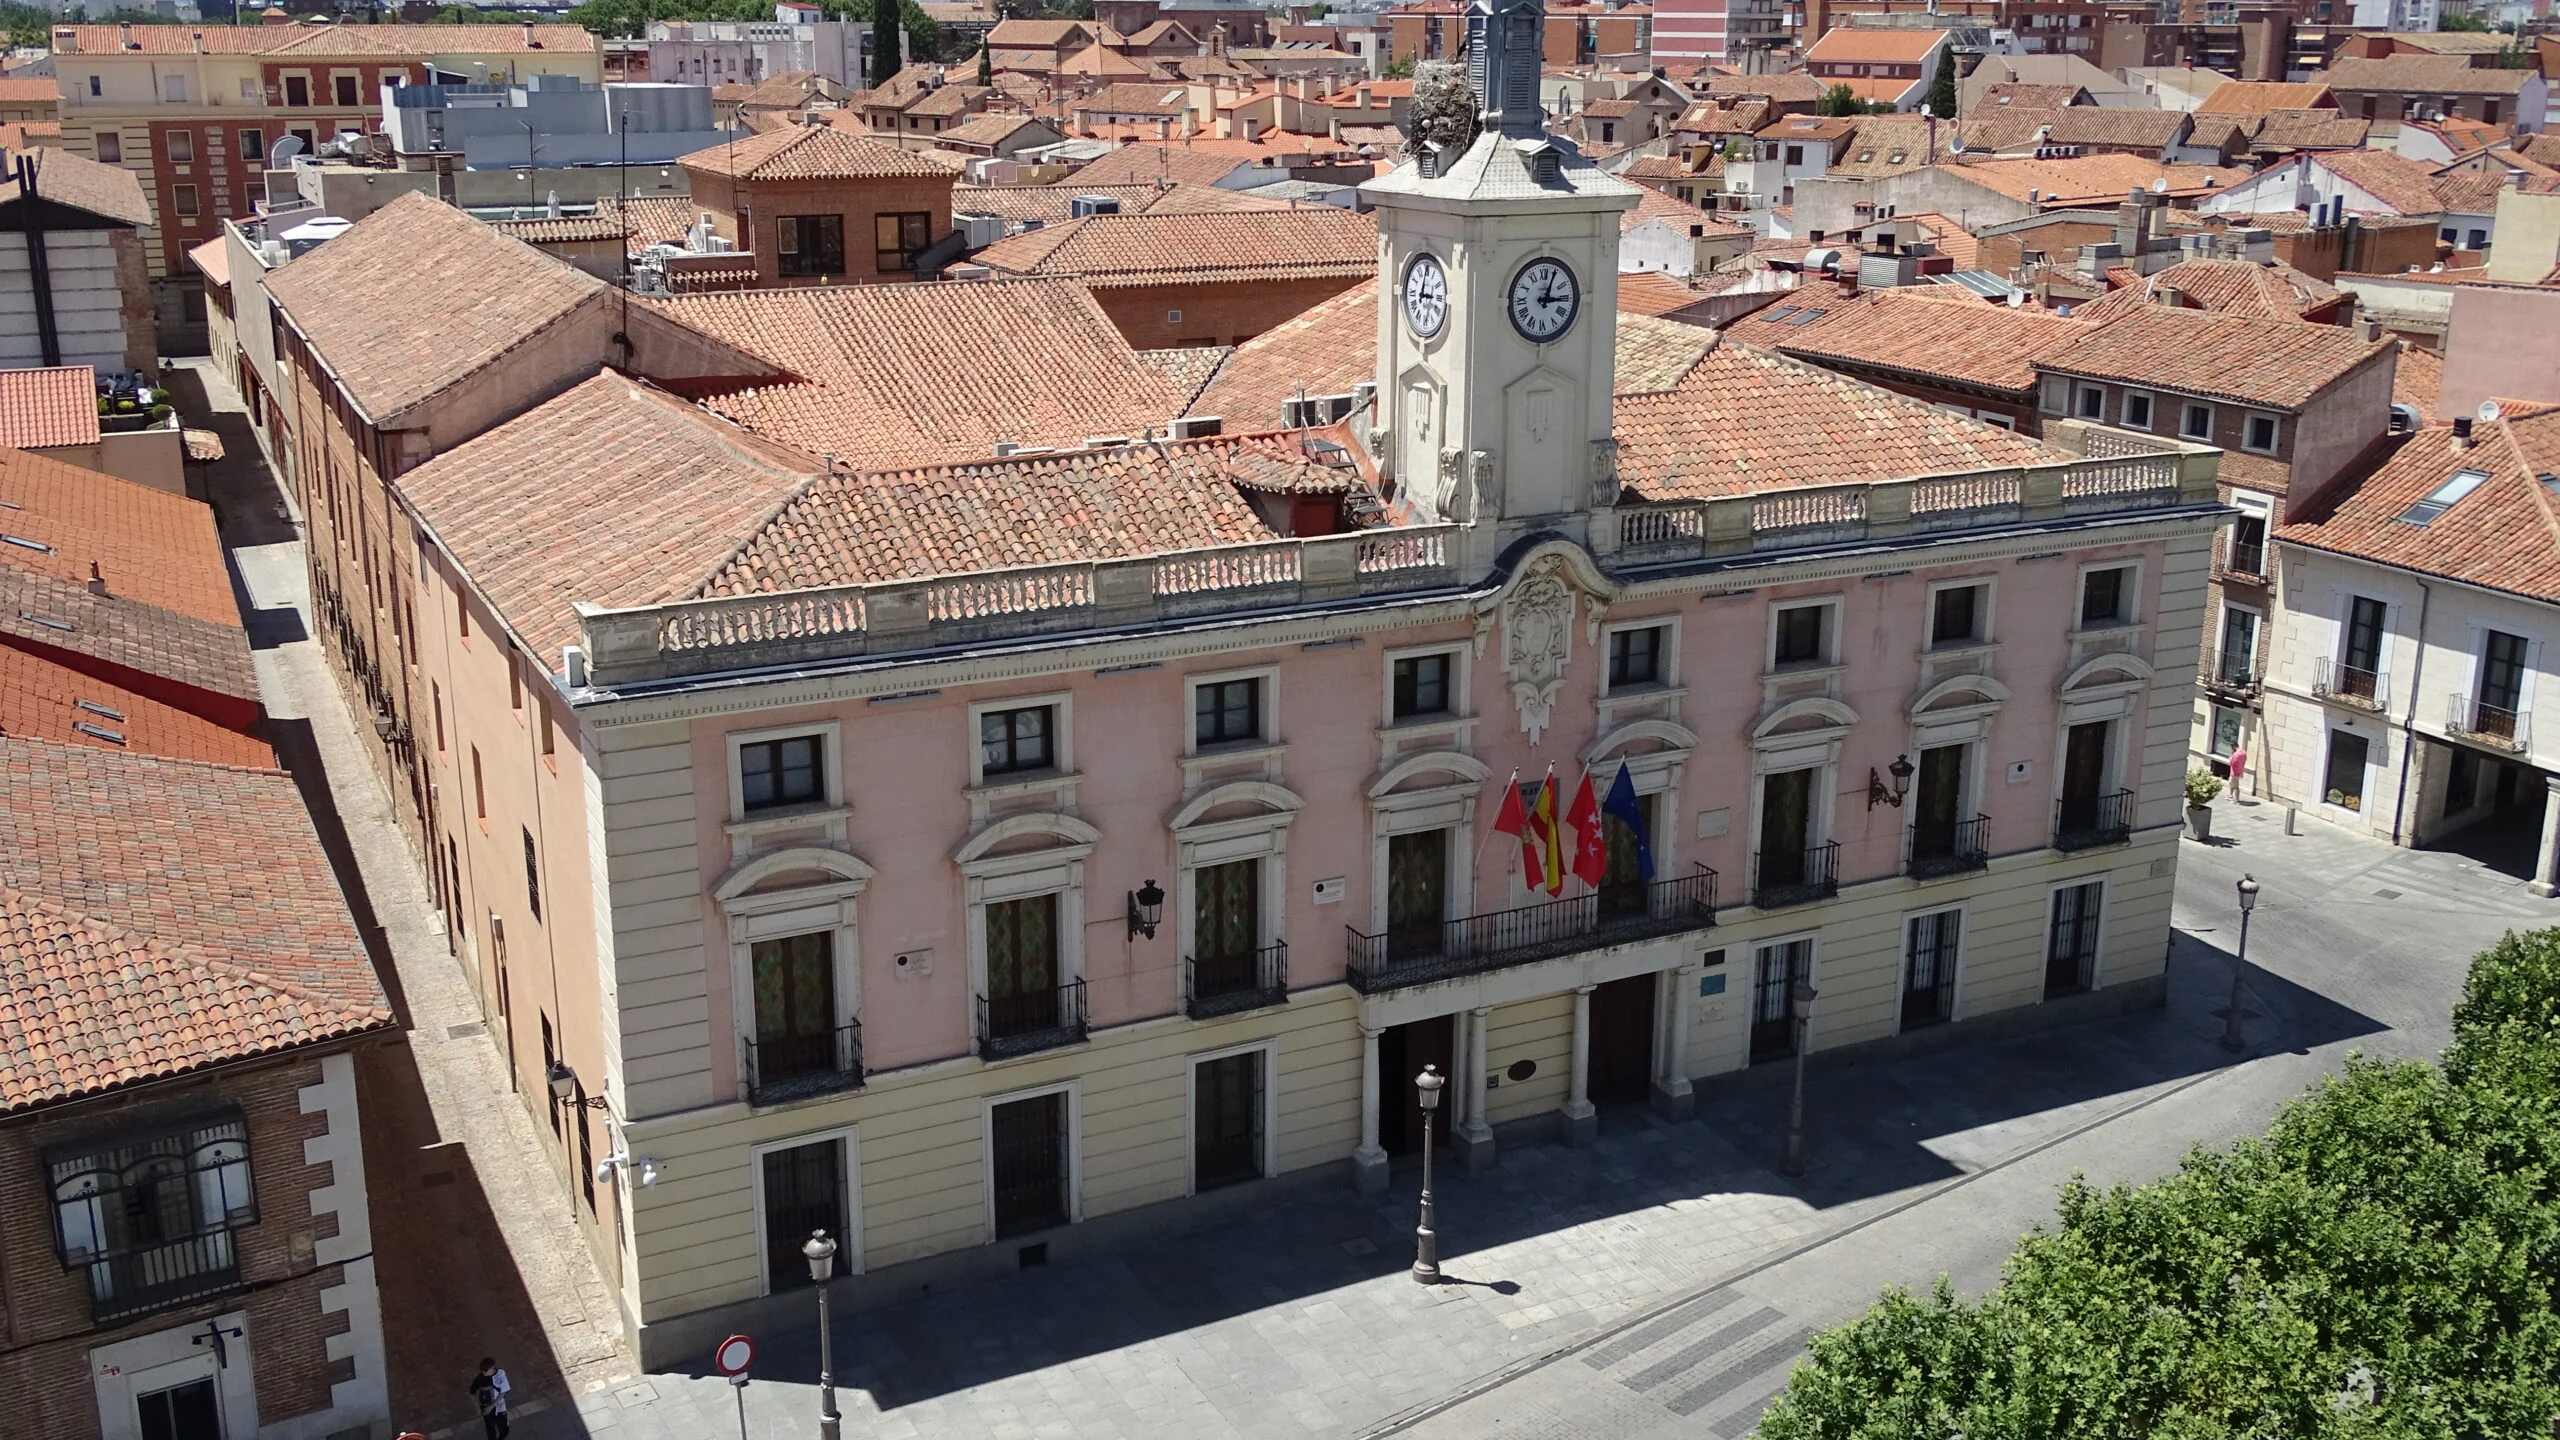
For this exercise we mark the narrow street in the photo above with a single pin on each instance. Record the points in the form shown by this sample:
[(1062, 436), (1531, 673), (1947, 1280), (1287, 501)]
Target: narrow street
[(1659, 1283)]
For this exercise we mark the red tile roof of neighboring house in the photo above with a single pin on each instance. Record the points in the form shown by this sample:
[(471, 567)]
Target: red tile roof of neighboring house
[(2277, 363), (2417, 379), (2465, 193), (213, 258), (76, 180), (1189, 367), (1911, 332), (1791, 88), (2503, 535), (1650, 293), (1874, 88), (811, 152), (22, 90), (2424, 74), (47, 407), (1747, 420), (41, 700), (2407, 186), (148, 546), (2308, 130), (1144, 164), (2089, 178), (2018, 127), (391, 42), (1154, 249), (159, 916), (2019, 95), (1850, 43), (2252, 97), (1653, 205), (907, 375), (2225, 287)]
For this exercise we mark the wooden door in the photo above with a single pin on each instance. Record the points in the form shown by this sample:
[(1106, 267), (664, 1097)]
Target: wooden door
[(1622, 1040), (1029, 1145), (1402, 1052)]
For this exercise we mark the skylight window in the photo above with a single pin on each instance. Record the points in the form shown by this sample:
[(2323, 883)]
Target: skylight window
[(24, 543), (94, 708), (1804, 316), (2444, 497), (98, 732), (1781, 313), (60, 625)]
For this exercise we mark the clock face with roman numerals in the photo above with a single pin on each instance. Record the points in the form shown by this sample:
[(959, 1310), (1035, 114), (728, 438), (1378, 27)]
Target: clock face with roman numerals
[(1426, 295), (1544, 299)]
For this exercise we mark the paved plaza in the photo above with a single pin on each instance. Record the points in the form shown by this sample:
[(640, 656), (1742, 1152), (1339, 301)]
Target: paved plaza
[(1659, 1283)]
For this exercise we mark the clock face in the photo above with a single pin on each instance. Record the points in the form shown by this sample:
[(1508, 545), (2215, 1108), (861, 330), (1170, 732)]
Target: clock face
[(1544, 299), (1426, 295)]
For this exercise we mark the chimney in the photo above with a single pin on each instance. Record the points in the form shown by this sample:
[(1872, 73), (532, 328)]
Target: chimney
[(528, 35), (1360, 96), (1333, 129), (66, 41), (2368, 329), (97, 580), (2462, 432), (1252, 129), (1084, 120), (124, 36), (2170, 295)]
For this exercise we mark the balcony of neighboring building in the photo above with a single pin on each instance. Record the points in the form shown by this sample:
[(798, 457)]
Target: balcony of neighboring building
[(1422, 952)]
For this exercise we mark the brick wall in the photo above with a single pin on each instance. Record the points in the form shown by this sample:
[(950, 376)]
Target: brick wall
[(1212, 314), (45, 1385), (757, 207)]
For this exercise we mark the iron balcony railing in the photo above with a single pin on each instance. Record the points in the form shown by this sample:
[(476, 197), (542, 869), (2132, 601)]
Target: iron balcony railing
[(2085, 822), (159, 1276), (2228, 669), (2245, 560), (790, 1067), (1795, 877), (1951, 851), (2350, 684), (2489, 724), (1474, 944), (1010, 1025), (1244, 980)]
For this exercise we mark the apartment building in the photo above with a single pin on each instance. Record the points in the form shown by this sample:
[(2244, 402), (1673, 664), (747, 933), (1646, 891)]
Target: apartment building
[(786, 763), (195, 112)]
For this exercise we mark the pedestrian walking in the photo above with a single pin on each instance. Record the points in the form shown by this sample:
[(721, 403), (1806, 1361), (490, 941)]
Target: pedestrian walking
[(489, 1390)]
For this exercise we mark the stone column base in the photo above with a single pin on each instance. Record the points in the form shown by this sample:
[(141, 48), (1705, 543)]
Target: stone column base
[(1674, 1100), (1369, 1171), (2543, 888), (1581, 1123), (1475, 1151)]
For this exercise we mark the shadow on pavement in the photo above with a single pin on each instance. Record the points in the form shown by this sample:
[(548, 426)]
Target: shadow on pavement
[(1872, 1130)]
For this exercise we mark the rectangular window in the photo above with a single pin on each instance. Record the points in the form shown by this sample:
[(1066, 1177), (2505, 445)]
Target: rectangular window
[(1417, 892), (2195, 422), (151, 1219), (2105, 597), (1227, 920), (1956, 614), (1800, 638), (795, 1007), (515, 690), (1226, 1140), (1625, 872), (253, 147), (1773, 998), (2261, 434), (462, 619), (774, 773), (2226, 730), (1028, 1143), (811, 244), (1022, 966), (1786, 831), (1421, 686), (173, 89), (2071, 942), (2502, 671), (2342, 781), (348, 94), (2137, 410), (532, 877), (2238, 662), (1938, 831), (110, 148), (803, 1194), (2360, 658), (1226, 711), (1795, 154), (1635, 657), (2093, 403), (479, 791), (297, 91), (182, 147), (95, 83), (550, 740), (1929, 968), (2247, 553), (898, 239), (1013, 741)]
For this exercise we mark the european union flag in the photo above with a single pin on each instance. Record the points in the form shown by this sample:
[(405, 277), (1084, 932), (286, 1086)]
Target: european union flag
[(1622, 803)]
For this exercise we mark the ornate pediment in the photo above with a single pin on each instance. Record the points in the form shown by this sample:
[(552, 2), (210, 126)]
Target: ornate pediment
[(1553, 586)]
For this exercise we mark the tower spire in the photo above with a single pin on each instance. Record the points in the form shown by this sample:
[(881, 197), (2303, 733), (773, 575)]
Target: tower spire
[(1505, 49)]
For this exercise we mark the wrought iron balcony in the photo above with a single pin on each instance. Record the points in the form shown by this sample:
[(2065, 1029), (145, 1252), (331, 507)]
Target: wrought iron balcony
[(2085, 822), (2350, 684), (1010, 1025), (2242, 560), (793, 1067), (2231, 671), (1229, 984), (1475, 944), (2488, 724), (159, 1276), (1795, 877), (1951, 851)]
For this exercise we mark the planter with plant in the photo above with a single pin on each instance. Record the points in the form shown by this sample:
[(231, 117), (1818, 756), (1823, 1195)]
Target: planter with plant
[(2202, 787)]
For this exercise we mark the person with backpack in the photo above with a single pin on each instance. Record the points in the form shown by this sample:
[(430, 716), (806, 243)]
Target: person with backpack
[(489, 1390)]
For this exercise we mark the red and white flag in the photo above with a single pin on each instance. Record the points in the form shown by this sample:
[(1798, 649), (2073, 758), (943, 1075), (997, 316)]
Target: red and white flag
[(1590, 844), (1513, 820)]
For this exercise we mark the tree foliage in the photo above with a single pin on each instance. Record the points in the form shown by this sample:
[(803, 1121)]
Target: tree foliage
[(2460, 20), (1400, 68), (1445, 110), (1842, 100), (2382, 1263), (1942, 90)]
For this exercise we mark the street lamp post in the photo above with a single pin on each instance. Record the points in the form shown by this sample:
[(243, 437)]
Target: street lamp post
[(2232, 1039), (1800, 992), (1426, 1236), (821, 1253)]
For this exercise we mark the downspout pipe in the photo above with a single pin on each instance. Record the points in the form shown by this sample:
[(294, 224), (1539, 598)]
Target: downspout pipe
[(39, 274), (2408, 735)]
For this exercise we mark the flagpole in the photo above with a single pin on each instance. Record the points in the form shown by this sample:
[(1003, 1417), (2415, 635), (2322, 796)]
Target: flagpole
[(1478, 863)]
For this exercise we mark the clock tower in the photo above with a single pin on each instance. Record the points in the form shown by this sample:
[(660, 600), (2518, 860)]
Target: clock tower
[(1498, 307)]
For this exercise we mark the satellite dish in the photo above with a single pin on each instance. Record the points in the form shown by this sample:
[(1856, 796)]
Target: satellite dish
[(1956, 146), (2489, 412), (2017, 298), (2160, 185), (285, 148)]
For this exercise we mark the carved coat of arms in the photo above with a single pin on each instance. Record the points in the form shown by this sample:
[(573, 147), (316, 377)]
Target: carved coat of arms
[(1537, 641)]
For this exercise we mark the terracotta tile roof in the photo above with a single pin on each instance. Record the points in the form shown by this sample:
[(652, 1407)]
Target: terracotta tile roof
[(21, 90), (1849, 43), (2077, 125), (1654, 205), (1645, 169), (1099, 61), (1746, 420), (1651, 293), (1144, 164), (2502, 535), (2277, 363), (2090, 178), (1792, 88), (2417, 379), (1874, 88), (158, 916), (1153, 249), (545, 230), (2018, 95), (2425, 74), (77, 180), (1133, 98), (151, 547), (1730, 116), (1033, 510), (1656, 355), (213, 259), (1044, 33), (2225, 287), (987, 129), (1206, 200), (56, 406), (40, 700), (391, 42), (1910, 331), (417, 296), (810, 152), (1325, 350), (2252, 97), (2468, 193), (656, 219), (2310, 130), (907, 375), (1189, 367), (1949, 235), (1883, 145)]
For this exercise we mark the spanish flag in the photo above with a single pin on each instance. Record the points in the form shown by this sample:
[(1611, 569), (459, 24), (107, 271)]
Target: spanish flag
[(1544, 831)]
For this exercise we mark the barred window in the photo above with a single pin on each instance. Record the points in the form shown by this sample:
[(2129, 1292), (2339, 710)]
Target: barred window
[(151, 1219)]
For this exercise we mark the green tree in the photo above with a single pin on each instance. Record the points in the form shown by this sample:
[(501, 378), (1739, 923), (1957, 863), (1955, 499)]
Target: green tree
[(2384, 1262), (2458, 20), (1399, 69), (884, 41), (1942, 90), (1840, 100), (986, 66)]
